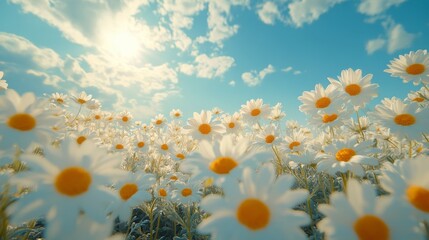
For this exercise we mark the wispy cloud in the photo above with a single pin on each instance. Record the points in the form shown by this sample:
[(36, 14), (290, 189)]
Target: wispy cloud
[(231, 83), (254, 78), (48, 79), (306, 11), (208, 67), (375, 44), (268, 12), (287, 69), (375, 7)]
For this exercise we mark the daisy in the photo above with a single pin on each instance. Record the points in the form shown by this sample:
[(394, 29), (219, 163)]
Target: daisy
[(255, 110), (408, 180), (162, 191), (86, 228), (260, 207), (202, 127), (295, 142), (176, 113), (58, 99), (216, 111), (355, 88), (159, 120), (124, 118), (132, 190), (23, 120), (344, 156), (225, 158), (140, 142), (120, 143), (404, 120), (267, 137), (320, 99), (276, 113), (360, 214), (232, 123), (66, 181), (3, 83), (307, 157), (93, 104), (186, 193), (330, 119), (411, 67), (82, 98)]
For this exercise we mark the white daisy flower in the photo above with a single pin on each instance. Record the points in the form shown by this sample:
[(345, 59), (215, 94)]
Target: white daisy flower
[(296, 142), (408, 180), (59, 99), (176, 113), (232, 123), (330, 119), (124, 118), (202, 127), (186, 193), (355, 88), (344, 156), (3, 83), (260, 207), (320, 99), (362, 215), (132, 191), (255, 110), (159, 120), (225, 158), (305, 158), (66, 181), (93, 104), (23, 120), (412, 67), (86, 228), (267, 137), (82, 98), (404, 120), (276, 113)]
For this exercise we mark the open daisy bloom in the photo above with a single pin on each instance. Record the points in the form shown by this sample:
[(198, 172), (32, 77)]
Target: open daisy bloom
[(361, 215), (255, 110), (407, 180), (260, 207), (66, 181), (320, 99), (412, 67), (355, 88), (404, 120), (202, 127), (23, 120)]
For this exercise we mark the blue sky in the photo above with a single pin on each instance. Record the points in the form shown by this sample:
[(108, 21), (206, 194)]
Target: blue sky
[(149, 57)]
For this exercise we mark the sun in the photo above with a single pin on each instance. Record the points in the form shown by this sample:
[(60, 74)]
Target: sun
[(122, 44)]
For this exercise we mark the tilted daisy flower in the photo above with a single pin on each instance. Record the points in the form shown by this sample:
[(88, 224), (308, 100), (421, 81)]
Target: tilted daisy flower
[(225, 158), (320, 99), (232, 123), (255, 110), (132, 191), (355, 88), (66, 181), (186, 193), (295, 142), (159, 120), (421, 96), (360, 214), (276, 113), (176, 113), (260, 207), (412, 67), (202, 127), (268, 137), (330, 119), (23, 120), (82, 98), (58, 99), (3, 83), (408, 180), (307, 157), (93, 104), (344, 156), (404, 120)]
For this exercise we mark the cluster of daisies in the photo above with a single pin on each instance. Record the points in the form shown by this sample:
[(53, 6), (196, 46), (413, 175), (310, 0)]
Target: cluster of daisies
[(349, 174)]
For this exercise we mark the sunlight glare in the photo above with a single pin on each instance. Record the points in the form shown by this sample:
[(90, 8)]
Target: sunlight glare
[(123, 44)]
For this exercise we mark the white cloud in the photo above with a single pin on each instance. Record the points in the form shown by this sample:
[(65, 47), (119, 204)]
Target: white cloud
[(307, 11), (375, 7), (399, 39), (374, 45), (48, 79), (287, 69), (254, 78), (42, 57), (268, 13), (231, 83), (296, 72), (208, 67)]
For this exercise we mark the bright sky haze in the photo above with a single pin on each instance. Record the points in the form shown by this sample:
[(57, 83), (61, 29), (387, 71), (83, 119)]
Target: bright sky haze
[(149, 57)]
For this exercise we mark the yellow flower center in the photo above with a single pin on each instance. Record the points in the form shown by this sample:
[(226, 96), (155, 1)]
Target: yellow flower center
[(125, 119), (255, 112), (97, 117), (73, 181), (223, 165), (22, 122), (405, 119), (371, 227), (164, 147), (345, 154), (180, 156), (186, 192), (205, 128), (353, 89), (418, 99), (60, 100), (329, 118), (231, 125), (140, 144), (162, 192), (119, 146), (418, 197), (158, 122), (269, 139), (80, 139), (254, 214), (415, 69), (323, 102), (174, 178), (294, 144), (177, 114), (128, 190), (81, 101)]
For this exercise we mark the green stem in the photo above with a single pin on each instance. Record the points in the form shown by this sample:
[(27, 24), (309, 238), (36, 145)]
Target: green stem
[(345, 178), (360, 126), (188, 224), (157, 225), (152, 206), (279, 168), (410, 151)]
